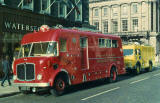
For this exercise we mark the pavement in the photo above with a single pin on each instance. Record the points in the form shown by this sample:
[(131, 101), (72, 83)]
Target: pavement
[(7, 90)]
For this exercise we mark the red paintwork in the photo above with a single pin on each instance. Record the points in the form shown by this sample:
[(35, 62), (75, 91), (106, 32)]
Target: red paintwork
[(72, 61)]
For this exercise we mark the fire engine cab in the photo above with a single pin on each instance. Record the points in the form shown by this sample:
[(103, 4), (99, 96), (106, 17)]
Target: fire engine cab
[(57, 58)]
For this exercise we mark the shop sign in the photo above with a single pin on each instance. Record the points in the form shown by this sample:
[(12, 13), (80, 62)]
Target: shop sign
[(20, 26)]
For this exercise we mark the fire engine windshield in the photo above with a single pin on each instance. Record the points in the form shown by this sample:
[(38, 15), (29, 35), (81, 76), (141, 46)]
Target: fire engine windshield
[(39, 49), (127, 52)]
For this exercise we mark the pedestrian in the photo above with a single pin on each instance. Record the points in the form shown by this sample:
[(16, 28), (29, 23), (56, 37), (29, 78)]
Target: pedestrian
[(6, 70)]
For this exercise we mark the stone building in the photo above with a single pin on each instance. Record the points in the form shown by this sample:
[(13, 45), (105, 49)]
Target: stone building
[(133, 20)]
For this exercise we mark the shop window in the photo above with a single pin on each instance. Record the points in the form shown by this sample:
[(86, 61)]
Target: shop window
[(63, 45)]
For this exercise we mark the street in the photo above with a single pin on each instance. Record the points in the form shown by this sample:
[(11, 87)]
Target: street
[(143, 88)]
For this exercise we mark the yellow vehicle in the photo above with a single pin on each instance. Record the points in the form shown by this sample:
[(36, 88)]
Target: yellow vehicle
[(138, 57)]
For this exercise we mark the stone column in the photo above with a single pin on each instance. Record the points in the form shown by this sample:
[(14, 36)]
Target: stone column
[(109, 19), (140, 17), (119, 19), (91, 16), (129, 18), (100, 18), (154, 16)]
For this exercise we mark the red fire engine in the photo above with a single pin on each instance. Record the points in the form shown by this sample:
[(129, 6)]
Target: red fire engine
[(57, 58)]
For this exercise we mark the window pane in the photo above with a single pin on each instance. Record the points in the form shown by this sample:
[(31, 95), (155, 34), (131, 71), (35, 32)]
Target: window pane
[(124, 25), (108, 43), (105, 26), (101, 42), (115, 26), (114, 44)]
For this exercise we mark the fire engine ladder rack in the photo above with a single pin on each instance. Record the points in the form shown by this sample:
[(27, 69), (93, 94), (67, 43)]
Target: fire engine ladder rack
[(77, 28)]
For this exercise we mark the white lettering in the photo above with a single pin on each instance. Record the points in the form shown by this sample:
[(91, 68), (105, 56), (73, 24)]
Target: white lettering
[(18, 26), (14, 26), (27, 27), (7, 25), (22, 27)]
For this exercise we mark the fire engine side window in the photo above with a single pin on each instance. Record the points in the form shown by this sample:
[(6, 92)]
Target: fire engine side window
[(63, 45), (83, 42), (108, 43), (114, 43), (101, 42)]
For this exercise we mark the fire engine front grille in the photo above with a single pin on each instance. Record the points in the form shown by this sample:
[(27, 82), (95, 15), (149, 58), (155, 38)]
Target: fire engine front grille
[(25, 72)]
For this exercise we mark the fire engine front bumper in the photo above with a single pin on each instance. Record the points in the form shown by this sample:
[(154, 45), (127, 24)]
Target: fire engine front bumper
[(32, 84)]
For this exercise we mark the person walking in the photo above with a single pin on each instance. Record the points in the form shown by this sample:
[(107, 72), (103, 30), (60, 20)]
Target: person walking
[(6, 70)]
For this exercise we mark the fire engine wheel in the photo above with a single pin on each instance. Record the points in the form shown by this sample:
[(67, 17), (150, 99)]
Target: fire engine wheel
[(113, 75), (59, 87), (138, 69)]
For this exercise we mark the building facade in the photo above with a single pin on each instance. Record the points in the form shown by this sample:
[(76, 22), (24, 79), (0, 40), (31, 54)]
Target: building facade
[(133, 20)]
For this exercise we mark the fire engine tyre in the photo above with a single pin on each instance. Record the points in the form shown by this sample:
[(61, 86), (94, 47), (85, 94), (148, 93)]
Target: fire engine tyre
[(59, 87), (138, 69), (113, 75)]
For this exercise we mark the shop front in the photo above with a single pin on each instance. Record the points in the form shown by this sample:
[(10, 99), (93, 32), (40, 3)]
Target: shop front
[(14, 23)]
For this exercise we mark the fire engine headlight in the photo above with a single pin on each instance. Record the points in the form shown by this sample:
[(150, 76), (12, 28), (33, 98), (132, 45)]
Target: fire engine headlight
[(14, 77), (39, 77)]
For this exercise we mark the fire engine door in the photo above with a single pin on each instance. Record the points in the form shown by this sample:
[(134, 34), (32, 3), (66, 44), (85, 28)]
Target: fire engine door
[(84, 52)]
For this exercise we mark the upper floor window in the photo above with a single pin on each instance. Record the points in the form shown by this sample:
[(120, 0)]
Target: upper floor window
[(105, 26), (45, 6), (135, 24), (78, 16), (124, 25), (105, 11), (96, 13), (124, 9), (96, 24), (115, 26), (27, 4), (115, 11), (135, 8), (62, 9)]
